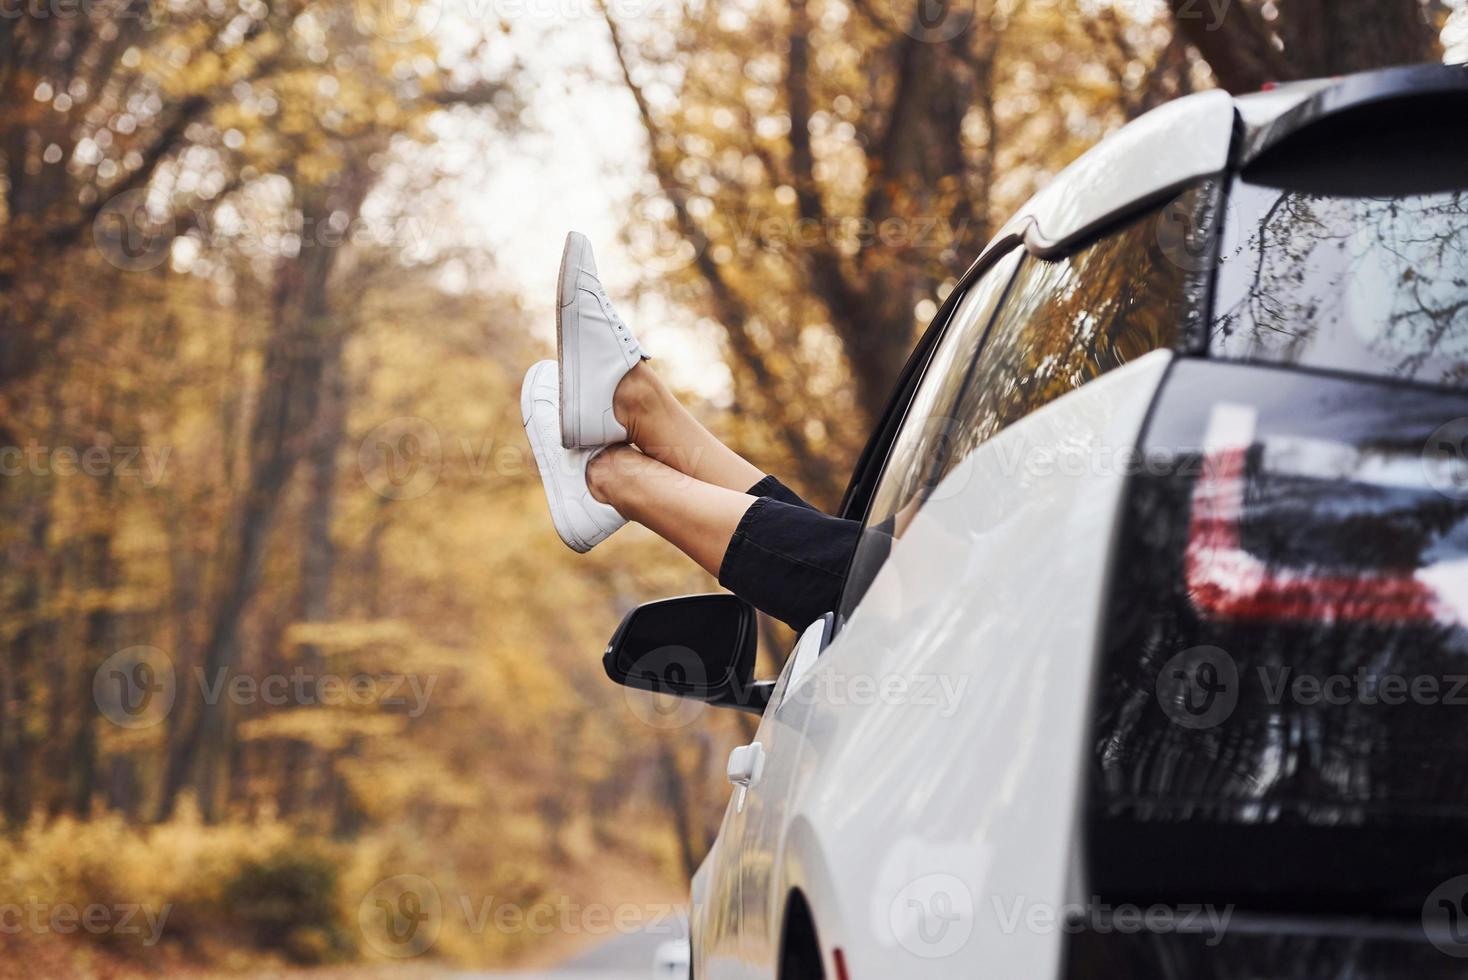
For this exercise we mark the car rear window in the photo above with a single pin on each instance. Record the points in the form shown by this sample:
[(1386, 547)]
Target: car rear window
[(1350, 253), (1281, 714)]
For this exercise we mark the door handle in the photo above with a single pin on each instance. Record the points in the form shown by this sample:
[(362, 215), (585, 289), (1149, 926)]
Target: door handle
[(746, 764)]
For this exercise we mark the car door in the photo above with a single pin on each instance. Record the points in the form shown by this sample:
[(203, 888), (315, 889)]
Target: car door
[(715, 917), (772, 768), (975, 589), (765, 775)]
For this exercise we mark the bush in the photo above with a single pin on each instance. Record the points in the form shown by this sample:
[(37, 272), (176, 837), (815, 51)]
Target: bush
[(288, 902)]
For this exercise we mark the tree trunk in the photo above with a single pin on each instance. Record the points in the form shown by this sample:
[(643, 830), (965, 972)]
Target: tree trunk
[(1309, 38), (304, 762), (289, 402), (675, 790)]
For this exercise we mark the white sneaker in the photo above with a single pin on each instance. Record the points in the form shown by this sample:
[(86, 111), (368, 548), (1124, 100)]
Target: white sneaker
[(582, 521), (596, 349)]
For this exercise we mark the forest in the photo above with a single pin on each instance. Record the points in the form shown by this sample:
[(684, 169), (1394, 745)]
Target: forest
[(283, 621)]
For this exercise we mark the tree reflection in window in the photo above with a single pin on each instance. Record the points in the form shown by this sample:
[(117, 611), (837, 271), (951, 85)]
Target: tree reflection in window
[(1375, 285), (1067, 321)]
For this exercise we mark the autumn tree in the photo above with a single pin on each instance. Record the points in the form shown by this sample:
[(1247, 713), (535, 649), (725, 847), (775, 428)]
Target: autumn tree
[(825, 170), (1248, 43)]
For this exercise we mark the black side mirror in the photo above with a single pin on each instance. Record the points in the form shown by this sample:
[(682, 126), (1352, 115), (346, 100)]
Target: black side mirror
[(697, 646)]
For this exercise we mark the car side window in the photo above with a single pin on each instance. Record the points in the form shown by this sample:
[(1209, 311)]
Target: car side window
[(921, 440), (1069, 320), (1062, 322)]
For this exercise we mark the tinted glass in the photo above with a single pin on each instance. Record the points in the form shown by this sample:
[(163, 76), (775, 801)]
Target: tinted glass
[(1069, 320), (1352, 259), (922, 441), (1203, 948), (1284, 690), (1061, 323), (700, 641)]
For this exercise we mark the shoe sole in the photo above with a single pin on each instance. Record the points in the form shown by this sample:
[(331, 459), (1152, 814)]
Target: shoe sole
[(551, 487), (570, 435)]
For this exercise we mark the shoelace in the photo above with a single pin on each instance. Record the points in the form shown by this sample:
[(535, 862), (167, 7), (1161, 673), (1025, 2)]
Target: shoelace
[(612, 312)]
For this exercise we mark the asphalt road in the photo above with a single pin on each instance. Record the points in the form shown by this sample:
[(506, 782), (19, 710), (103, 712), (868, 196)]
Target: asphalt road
[(627, 957)]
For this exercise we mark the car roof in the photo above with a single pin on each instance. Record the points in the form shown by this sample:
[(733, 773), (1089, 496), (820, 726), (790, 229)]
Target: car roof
[(1194, 137)]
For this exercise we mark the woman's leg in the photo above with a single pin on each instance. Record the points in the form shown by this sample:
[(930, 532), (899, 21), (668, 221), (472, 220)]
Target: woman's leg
[(659, 425), (696, 517), (786, 559)]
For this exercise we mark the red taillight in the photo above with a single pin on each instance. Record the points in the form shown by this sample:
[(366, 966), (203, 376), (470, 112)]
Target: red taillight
[(1281, 703), (1226, 581), (840, 959)]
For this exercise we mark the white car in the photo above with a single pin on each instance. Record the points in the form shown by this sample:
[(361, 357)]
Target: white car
[(1150, 663)]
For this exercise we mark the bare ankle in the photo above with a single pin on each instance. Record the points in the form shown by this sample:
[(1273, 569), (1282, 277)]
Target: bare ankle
[(635, 397), (601, 473)]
